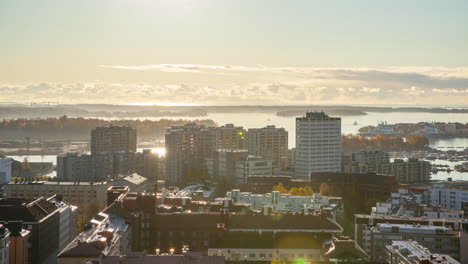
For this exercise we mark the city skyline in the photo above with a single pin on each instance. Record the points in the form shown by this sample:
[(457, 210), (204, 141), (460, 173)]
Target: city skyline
[(216, 52)]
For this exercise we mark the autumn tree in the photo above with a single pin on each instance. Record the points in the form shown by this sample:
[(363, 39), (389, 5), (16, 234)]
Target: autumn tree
[(280, 188)]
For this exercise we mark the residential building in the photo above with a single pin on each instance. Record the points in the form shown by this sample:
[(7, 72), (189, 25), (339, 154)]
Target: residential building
[(18, 244), (76, 193), (112, 139), (277, 202), (4, 245), (318, 144), (449, 195), (105, 235), (270, 142), (410, 171), (252, 165), (165, 258), (42, 218), (187, 148), (370, 159), (413, 204), (438, 239), (135, 182), (74, 167), (6, 165), (229, 137), (411, 252), (291, 158), (364, 223), (223, 163), (250, 247)]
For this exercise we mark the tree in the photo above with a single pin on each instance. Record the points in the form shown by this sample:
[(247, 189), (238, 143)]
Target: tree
[(280, 188)]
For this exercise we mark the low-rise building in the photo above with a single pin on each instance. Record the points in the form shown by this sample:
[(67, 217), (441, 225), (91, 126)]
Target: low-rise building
[(252, 165), (438, 239), (284, 203), (364, 223), (410, 252), (76, 193), (135, 182), (104, 235), (48, 220)]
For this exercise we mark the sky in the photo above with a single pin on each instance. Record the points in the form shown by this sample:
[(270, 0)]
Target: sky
[(217, 52)]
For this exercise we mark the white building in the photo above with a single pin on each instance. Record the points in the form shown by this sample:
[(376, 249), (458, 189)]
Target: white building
[(5, 169), (449, 197), (318, 144), (277, 202), (412, 204), (252, 165), (410, 252), (67, 217)]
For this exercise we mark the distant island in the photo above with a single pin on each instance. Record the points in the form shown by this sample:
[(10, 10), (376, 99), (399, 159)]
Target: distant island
[(14, 110)]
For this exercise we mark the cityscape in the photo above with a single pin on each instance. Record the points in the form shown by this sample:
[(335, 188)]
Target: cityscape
[(225, 132)]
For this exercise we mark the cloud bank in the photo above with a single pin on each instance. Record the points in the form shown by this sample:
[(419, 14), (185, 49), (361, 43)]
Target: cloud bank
[(227, 84)]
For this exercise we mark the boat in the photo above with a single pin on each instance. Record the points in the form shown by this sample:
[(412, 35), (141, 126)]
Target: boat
[(355, 123)]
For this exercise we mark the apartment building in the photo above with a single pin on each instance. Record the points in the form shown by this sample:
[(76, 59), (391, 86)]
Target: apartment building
[(229, 137), (438, 239), (111, 139), (410, 252), (187, 148), (318, 144), (270, 143)]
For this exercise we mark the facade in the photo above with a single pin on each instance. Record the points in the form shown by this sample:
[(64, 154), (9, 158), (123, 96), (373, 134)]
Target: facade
[(223, 163), (187, 148), (369, 160), (441, 240), (270, 143), (410, 171), (42, 218), (448, 196), (410, 252), (4, 245), (413, 204), (165, 258), (252, 165), (318, 144), (76, 193), (6, 165), (105, 235), (283, 203), (113, 139), (364, 225), (74, 167), (19, 238), (135, 182), (229, 137)]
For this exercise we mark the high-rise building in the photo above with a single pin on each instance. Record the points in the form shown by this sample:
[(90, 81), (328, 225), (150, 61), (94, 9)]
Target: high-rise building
[(270, 142), (229, 137), (318, 144), (223, 163), (187, 148), (74, 167), (111, 139)]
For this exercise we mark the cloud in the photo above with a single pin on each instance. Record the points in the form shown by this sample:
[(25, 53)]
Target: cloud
[(260, 85)]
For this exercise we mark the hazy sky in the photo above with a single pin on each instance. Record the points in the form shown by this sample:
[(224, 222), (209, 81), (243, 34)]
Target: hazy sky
[(237, 51)]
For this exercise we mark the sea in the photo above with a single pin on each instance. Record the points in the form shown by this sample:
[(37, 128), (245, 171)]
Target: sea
[(348, 126)]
